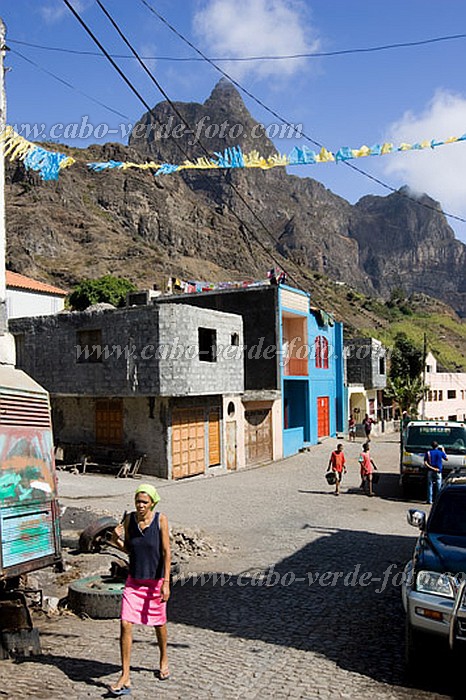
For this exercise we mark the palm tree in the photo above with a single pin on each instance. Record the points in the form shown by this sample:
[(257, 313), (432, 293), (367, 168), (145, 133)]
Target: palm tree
[(407, 392)]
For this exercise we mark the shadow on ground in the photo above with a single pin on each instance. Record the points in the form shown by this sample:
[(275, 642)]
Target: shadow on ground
[(338, 596)]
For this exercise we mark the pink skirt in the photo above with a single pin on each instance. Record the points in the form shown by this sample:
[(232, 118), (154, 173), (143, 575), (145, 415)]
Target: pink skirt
[(142, 603)]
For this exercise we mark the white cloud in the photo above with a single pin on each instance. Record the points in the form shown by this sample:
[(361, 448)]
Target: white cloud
[(54, 12), (439, 172), (145, 51), (240, 28)]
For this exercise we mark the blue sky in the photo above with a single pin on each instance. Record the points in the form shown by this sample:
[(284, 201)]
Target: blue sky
[(403, 94)]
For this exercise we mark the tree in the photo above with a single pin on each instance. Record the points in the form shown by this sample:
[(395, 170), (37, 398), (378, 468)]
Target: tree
[(109, 289), (407, 392), (406, 359)]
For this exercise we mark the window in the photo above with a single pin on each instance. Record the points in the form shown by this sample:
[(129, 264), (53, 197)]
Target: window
[(235, 339), (20, 351), (89, 345), (207, 345), (429, 396), (451, 394), (440, 395), (381, 365), (321, 349)]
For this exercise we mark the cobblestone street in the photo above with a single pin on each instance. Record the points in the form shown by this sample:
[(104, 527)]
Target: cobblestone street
[(326, 620)]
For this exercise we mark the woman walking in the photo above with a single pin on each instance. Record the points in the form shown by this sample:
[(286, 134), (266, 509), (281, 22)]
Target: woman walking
[(144, 536)]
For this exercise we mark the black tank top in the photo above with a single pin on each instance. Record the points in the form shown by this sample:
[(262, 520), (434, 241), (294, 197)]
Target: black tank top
[(145, 551)]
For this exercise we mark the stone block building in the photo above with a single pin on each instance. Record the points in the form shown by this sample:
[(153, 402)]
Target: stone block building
[(152, 378)]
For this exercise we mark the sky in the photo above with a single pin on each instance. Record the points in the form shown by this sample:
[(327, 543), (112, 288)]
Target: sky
[(404, 94)]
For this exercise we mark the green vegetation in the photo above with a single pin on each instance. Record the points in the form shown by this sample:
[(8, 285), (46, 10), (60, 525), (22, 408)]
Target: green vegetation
[(109, 289), (407, 392), (406, 361), (405, 382)]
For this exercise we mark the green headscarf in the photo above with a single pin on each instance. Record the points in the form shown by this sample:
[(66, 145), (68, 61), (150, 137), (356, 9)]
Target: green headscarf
[(151, 492)]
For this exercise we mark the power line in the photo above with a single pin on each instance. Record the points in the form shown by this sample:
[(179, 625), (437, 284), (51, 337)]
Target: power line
[(242, 59), (107, 55), (285, 121), (68, 85), (180, 116)]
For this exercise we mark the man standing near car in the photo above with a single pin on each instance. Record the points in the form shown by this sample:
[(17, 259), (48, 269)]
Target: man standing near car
[(433, 462)]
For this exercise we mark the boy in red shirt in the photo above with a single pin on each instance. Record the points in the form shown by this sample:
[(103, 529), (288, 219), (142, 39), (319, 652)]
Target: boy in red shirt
[(337, 464)]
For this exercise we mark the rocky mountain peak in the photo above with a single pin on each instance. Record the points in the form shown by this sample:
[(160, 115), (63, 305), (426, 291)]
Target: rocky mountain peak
[(222, 121), (192, 223), (225, 94)]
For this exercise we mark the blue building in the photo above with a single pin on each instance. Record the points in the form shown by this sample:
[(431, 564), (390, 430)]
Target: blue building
[(293, 367), (312, 371)]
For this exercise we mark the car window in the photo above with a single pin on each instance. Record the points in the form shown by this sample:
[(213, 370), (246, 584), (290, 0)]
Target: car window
[(449, 514), (421, 437)]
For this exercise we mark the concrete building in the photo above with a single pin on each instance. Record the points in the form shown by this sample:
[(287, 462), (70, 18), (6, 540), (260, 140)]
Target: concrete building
[(28, 297), (223, 378), (366, 377), (151, 378), (293, 368), (446, 394)]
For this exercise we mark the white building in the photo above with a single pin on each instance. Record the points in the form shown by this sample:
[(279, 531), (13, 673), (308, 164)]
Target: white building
[(28, 297), (446, 394)]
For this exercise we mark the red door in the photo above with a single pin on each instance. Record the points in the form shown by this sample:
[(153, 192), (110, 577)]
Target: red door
[(323, 416)]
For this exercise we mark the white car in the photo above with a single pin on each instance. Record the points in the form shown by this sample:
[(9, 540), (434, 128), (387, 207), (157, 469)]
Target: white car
[(434, 587)]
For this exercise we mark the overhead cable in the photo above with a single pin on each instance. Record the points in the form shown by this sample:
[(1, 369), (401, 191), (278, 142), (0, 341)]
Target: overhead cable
[(285, 121), (242, 59), (173, 106)]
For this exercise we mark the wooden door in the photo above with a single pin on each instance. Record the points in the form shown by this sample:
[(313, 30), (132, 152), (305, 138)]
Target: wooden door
[(188, 442), (231, 444), (323, 416), (258, 435), (214, 438), (109, 421)]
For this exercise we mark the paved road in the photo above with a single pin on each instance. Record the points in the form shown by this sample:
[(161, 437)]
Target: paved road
[(308, 607)]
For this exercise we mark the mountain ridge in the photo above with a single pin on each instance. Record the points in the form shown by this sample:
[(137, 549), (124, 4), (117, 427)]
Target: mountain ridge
[(194, 224)]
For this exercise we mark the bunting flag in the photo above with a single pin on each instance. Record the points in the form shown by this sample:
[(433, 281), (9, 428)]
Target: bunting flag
[(174, 284), (49, 163)]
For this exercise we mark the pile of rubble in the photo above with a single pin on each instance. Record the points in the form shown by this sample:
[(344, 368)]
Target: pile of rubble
[(192, 543)]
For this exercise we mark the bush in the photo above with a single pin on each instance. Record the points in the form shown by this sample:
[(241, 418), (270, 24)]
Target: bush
[(108, 289)]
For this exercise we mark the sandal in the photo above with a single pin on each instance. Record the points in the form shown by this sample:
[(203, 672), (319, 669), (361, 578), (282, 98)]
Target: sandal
[(116, 691), (163, 675)]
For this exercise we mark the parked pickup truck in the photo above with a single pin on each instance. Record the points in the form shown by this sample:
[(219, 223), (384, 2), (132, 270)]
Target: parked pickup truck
[(416, 440)]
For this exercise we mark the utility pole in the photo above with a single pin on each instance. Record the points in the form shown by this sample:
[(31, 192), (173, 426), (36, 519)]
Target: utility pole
[(424, 358), (7, 342)]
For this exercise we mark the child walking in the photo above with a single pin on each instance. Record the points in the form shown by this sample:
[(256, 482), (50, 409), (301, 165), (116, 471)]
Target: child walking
[(367, 467), (337, 464)]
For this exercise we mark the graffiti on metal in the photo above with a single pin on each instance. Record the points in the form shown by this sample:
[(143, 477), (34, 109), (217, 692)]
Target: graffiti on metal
[(26, 466), (27, 533)]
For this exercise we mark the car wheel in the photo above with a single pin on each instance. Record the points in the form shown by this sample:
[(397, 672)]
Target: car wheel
[(96, 534), (97, 596)]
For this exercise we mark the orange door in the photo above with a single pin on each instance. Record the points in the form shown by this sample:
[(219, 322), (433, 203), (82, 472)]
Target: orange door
[(214, 438), (188, 442), (323, 416)]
